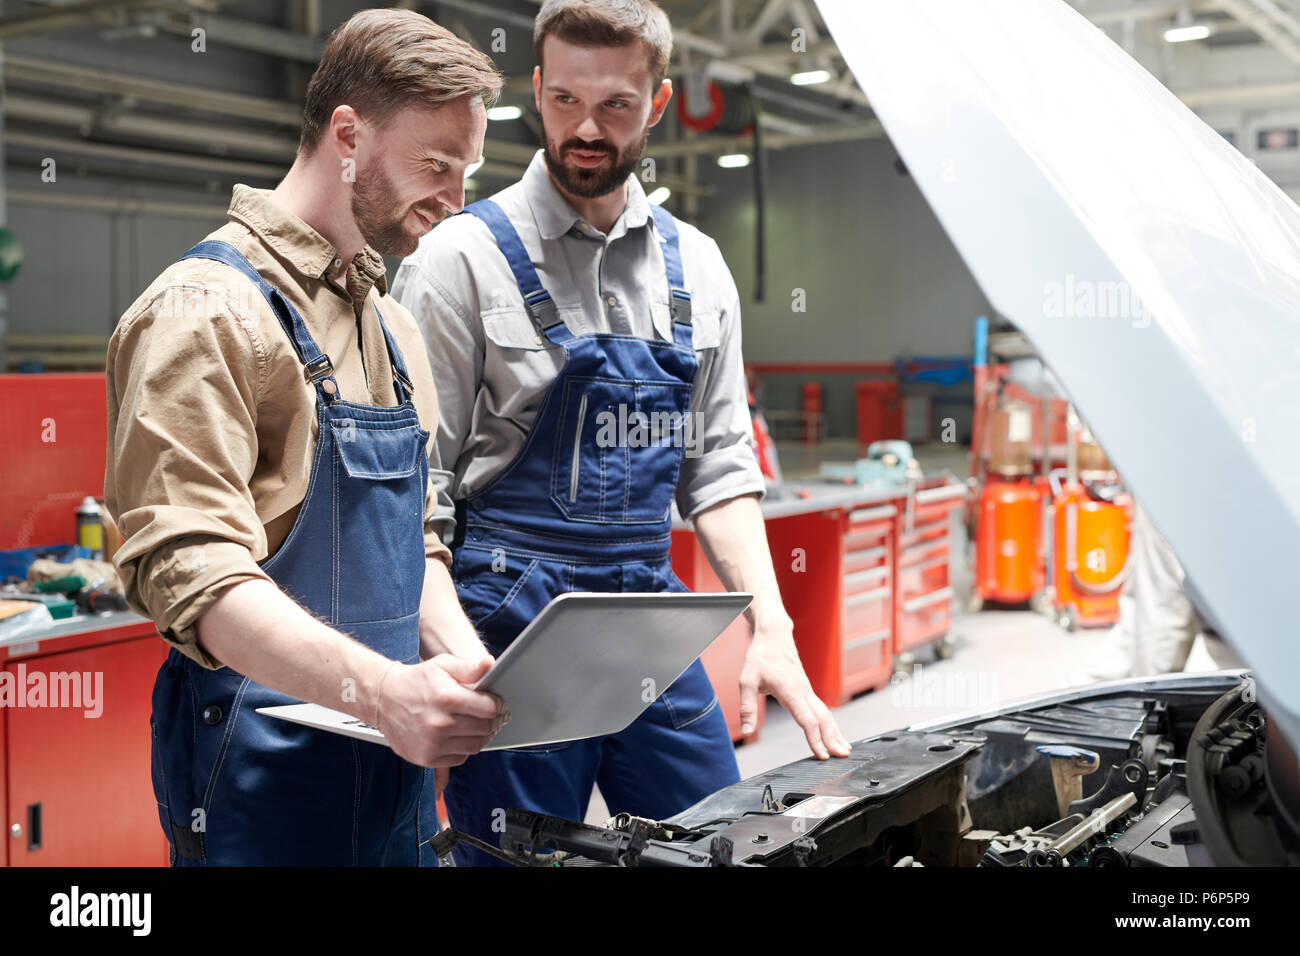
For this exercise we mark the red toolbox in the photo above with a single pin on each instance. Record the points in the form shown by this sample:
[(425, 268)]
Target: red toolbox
[(75, 786), (923, 557), (835, 570), (726, 656)]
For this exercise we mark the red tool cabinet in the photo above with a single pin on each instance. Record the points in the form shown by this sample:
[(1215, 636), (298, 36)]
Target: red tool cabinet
[(923, 559), (83, 782), (726, 656), (835, 571)]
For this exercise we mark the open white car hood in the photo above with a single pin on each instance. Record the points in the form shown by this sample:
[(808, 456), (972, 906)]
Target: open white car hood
[(1155, 270)]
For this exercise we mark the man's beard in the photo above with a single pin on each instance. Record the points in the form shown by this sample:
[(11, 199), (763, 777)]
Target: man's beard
[(591, 183), (380, 220)]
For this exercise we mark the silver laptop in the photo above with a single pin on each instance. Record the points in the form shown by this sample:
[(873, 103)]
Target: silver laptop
[(587, 665)]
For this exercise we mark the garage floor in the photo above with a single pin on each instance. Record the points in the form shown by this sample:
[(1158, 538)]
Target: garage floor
[(999, 656)]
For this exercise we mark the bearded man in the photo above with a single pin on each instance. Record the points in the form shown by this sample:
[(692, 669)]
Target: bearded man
[(270, 409)]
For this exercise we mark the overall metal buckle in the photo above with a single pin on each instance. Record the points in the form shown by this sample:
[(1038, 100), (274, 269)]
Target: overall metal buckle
[(318, 369), (679, 304), (542, 309), (405, 382)]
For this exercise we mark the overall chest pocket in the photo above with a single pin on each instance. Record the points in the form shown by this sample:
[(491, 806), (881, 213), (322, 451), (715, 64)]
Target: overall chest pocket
[(619, 449), (382, 454), (380, 480), (706, 325)]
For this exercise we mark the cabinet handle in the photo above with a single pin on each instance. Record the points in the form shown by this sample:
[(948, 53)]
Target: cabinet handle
[(872, 514), (925, 600), (33, 826), (925, 565), (855, 599), (869, 639), (867, 576), (933, 495), (917, 540), (866, 554)]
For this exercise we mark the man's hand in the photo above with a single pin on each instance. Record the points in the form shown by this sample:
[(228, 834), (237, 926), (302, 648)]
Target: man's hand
[(431, 718), (772, 667), (734, 538), (425, 710)]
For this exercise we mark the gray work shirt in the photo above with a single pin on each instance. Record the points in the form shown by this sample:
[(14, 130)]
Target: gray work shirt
[(492, 368)]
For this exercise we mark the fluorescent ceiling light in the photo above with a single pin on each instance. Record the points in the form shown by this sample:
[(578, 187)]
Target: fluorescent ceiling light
[(657, 197), (810, 78), (1194, 31), (471, 185), (733, 160), (471, 169), (504, 113)]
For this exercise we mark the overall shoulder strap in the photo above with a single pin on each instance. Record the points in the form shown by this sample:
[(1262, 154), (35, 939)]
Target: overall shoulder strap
[(541, 307), (678, 298)]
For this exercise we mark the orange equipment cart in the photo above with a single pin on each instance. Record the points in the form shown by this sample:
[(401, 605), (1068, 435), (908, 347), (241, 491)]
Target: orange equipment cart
[(1089, 556), (1009, 542)]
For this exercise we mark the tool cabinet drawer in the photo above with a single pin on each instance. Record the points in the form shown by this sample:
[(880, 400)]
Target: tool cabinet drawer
[(923, 577), (923, 566), (868, 660)]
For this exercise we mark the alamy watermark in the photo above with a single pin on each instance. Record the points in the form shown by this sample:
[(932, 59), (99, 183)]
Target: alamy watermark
[(76, 908), (624, 427), (1076, 298), (955, 690), (63, 689), (182, 300)]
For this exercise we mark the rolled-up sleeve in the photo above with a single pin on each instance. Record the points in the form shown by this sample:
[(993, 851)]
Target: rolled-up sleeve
[(183, 379), (456, 360), (721, 463)]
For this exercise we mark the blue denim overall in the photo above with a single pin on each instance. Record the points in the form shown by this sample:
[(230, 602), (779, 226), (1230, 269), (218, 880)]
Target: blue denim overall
[(237, 787), (585, 506)]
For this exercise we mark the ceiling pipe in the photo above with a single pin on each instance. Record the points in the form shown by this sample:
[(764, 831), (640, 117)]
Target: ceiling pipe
[(1277, 27), (67, 200), (29, 69), (82, 13), (51, 145)]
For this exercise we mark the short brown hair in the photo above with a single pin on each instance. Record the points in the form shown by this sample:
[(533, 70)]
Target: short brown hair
[(608, 23), (381, 61)]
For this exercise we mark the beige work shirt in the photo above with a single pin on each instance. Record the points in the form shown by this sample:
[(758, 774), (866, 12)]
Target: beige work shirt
[(212, 422)]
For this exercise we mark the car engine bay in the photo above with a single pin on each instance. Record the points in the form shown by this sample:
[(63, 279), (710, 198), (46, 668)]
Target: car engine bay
[(1160, 772)]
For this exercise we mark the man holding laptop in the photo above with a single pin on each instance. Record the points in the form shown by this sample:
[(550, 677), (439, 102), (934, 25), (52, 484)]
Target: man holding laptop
[(269, 408), (586, 349)]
